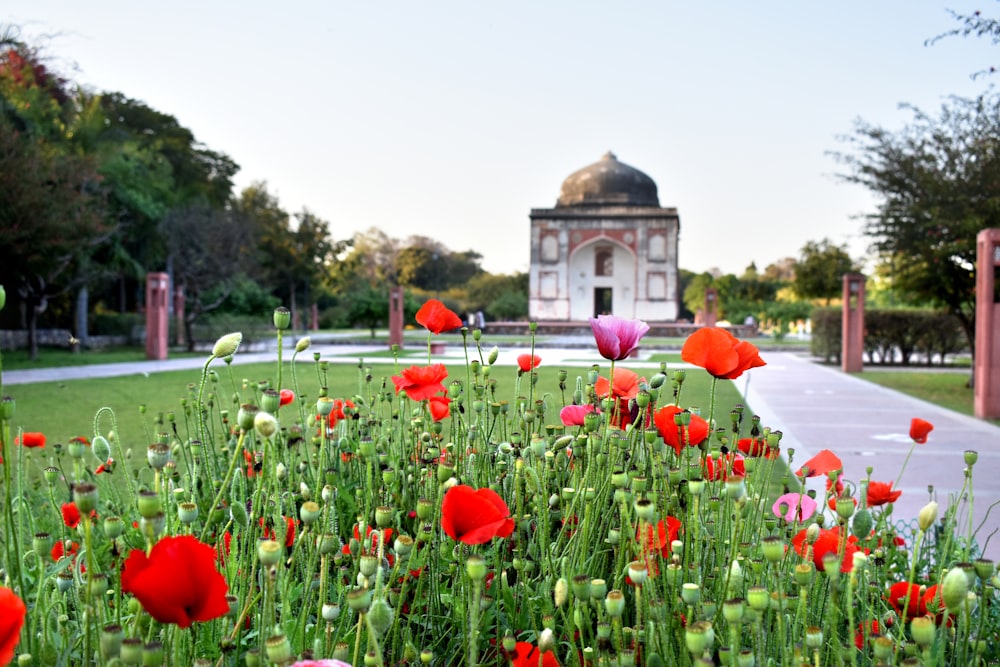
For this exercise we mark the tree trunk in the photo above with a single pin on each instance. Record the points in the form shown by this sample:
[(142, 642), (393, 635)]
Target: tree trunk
[(189, 333), (82, 307), (32, 331)]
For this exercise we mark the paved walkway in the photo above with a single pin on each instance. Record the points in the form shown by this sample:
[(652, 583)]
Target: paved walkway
[(816, 407)]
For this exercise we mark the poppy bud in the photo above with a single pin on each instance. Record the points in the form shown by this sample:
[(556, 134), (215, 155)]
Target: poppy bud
[(927, 516), (954, 589), (224, 347), (862, 524), (380, 615), (238, 512), (3, 297), (282, 320), (303, 345), (265, 424)]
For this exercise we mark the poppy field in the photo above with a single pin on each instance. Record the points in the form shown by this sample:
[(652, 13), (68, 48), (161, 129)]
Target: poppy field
[(478, 518)]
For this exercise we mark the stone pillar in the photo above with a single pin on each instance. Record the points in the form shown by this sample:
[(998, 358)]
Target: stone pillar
[(852, 330), (396, 316), (986, 374), (179, 314), (157, 290), (711, 306), (314, 318)]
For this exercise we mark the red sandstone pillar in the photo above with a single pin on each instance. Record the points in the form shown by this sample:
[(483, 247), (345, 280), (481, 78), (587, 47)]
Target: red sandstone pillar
[(314, 318), (853, 323), (711, 306), (986, 374), (396, 316), (157, 289)]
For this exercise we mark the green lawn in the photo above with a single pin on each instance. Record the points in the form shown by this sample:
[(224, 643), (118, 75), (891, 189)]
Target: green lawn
[(65, 409), (944, 388)]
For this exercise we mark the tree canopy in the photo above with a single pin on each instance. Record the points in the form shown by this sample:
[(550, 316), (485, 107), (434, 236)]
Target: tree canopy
[(937, 182), (819, 272)]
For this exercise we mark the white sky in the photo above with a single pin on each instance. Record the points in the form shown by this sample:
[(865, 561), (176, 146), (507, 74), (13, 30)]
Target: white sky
[(454, 119)]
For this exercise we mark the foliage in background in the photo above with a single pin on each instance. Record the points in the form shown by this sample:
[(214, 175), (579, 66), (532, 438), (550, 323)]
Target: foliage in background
[(892, 336)]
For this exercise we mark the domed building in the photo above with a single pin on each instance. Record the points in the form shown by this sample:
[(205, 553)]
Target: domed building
[(607, 247)]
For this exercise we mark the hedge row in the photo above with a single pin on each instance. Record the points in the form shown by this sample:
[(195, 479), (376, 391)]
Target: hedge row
[(892, 336)]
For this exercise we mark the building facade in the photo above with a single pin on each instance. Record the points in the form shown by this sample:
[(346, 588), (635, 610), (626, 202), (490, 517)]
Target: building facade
[(606, 248)]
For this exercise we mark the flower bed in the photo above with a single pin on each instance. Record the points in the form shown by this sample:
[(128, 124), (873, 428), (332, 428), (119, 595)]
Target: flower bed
[(479, 520)]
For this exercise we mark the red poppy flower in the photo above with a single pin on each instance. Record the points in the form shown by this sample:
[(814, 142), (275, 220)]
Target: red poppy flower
[(440, 407), (12, 613), (822, 464), (754, 447), (372, 534), (178, 582), (666, 531), (59, 550), (724, 467), (828, 542), (108, 467), (287, 396), (475, 516), (71, 515), (572, 415), (338, 413), (897, 598), (81, 439), (30, 439), (526, 655), (617, 338), (859, 637), (919, 429), (269, 534), (527, 362), (420, 382), (625, 385), (880, 493), (720, 353), (679, 436), (436, 317)]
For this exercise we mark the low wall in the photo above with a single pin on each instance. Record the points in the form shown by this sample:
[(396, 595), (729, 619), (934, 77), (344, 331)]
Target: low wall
[(656, 329), (17, 339)]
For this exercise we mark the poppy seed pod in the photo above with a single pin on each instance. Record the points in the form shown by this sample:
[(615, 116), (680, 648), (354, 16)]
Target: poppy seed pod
[(269, 552), (85, 497), (227, 345), (245, 416), (614, 603), (270, 401), (282, 318)]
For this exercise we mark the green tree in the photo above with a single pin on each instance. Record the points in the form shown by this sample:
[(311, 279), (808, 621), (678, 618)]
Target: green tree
[(938, 184), (819, 273)]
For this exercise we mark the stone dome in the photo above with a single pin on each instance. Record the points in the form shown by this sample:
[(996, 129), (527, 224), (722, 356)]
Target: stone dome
[(608, 182)]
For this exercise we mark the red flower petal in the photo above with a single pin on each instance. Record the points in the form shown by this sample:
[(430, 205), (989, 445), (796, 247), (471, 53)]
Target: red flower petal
[(526, 655), (880, 493), (30, 439), (178, 582), (440, 407), (12, 614), (474, 516), (527, 362), (678, 436), (421, 382), (919, 429), (287, 396), (720, 353), (71, 515), (436, 317), (822, 464)]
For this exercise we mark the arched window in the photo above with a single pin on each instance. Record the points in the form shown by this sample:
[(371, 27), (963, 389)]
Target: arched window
[(604, 262)]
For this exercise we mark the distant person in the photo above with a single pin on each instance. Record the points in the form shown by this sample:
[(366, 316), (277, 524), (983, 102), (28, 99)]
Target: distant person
[(750, 321), (480, 320)]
